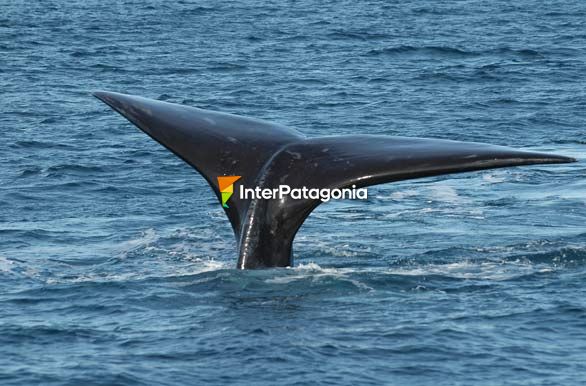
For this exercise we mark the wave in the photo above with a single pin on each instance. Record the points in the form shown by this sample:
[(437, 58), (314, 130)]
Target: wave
[(565, 257), (200, 10), (358, 35), (42, 145), (453, 52), (427, 50), (63, 169), (226, 67), (198, 259)]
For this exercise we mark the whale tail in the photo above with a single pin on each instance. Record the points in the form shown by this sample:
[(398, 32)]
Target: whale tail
[(267, 155)]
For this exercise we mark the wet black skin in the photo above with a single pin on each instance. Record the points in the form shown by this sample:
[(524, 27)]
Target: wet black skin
[(268, 155)]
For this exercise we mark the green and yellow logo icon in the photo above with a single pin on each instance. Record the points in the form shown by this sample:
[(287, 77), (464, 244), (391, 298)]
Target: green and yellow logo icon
[(226, 184)]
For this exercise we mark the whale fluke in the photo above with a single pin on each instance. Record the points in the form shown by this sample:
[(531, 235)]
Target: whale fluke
[(267, 155)]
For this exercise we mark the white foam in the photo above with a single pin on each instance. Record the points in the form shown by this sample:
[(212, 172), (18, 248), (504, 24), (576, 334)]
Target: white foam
[(479, 270), (5, 264), (400, 195), (444, 193), (315, 273), (154, 255), (146, 238), (200, 265), (493, 178)]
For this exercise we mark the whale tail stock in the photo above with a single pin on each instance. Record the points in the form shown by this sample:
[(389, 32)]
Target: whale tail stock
[(267, 155)]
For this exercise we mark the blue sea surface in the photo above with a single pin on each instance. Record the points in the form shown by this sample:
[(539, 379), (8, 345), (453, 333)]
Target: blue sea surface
[(117, 264)]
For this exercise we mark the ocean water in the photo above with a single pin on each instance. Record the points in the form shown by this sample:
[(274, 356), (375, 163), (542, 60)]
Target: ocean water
[(117, 266)]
